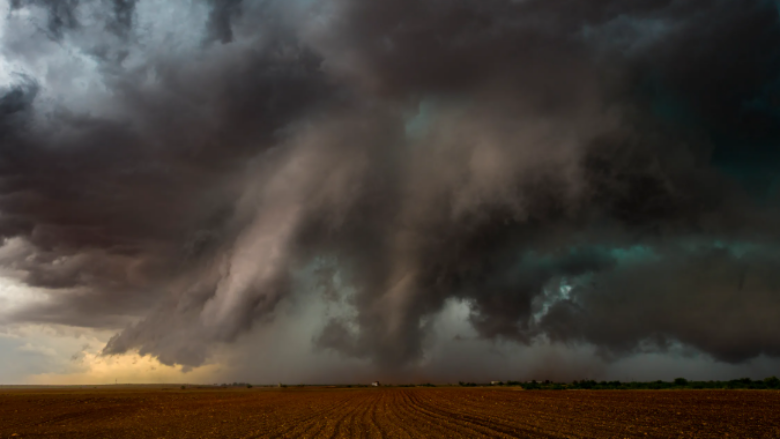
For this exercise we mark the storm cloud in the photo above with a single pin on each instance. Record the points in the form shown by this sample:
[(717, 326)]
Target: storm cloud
[(596, 173)]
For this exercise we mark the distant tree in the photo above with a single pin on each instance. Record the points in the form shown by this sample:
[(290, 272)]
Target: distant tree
[(682, 382), (533, 385)]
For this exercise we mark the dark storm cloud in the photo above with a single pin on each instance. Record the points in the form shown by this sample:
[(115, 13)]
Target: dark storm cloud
[(15, 105), (575, 171), (61, 14), (223, 12), (709, 298), (112, 209), (122, 19)]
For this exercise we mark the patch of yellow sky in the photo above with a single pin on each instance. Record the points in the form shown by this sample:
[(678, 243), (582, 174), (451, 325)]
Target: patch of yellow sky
[(54, 346), (124, 369)]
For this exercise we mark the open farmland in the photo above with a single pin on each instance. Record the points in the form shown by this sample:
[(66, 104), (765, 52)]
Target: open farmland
[(167, 412)]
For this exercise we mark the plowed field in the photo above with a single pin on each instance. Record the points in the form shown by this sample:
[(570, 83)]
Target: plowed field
[(385, 413)]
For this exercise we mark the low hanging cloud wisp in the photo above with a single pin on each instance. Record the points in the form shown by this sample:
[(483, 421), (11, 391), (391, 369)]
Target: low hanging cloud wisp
[(585, 173)]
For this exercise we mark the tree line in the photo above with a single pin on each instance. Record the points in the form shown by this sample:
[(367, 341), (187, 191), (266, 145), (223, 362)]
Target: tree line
[(677, 383)]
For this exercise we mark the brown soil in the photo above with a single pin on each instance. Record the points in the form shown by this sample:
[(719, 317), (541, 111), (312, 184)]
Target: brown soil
[(385, 413)]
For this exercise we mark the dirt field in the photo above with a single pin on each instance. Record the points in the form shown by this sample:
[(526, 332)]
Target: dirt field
[(385, 413)]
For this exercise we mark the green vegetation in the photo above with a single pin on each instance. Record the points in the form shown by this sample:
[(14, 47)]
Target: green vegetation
[(678, 383)]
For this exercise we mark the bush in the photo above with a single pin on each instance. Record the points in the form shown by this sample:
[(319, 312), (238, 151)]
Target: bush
[(533, 385)]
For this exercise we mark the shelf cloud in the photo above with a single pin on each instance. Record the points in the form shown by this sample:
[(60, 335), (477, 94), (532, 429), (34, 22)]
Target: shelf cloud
[(598, 173)]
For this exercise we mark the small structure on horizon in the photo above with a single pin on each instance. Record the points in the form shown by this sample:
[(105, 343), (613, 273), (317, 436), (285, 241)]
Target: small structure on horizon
[(496, 383), (375, 384)]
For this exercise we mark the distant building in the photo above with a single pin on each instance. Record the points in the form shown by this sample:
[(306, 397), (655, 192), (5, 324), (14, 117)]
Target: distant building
[(375, 384), (495, 383)]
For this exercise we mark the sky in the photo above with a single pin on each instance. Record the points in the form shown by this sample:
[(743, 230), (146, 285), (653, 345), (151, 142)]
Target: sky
[(323, 191)]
